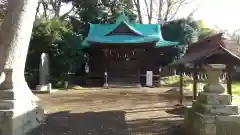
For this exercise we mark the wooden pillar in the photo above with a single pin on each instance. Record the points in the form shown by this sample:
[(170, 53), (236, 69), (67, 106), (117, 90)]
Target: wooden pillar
[(194, 82), (229, 79), (181, 85), (139, 77)]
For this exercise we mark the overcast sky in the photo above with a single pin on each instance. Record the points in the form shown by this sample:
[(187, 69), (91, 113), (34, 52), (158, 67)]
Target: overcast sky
[(221, 13)]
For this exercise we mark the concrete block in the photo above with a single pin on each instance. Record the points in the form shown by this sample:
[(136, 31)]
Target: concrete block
[(214, 99), (228, 125), (204, 124), (42, 87), (22, 124), (215, 109), (188, 119)]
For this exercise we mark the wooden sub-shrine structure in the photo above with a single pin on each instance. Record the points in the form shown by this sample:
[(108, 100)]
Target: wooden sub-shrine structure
[(212, 50), (212, 111)]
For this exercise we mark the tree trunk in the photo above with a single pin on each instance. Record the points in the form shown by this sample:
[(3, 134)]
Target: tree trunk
[(14, 41), (18, 108)]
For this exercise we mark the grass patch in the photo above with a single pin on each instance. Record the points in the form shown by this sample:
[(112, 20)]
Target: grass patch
[(173, 81), (236, 88)]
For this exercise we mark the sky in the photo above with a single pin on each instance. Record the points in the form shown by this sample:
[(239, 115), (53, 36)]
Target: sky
[(220, 13)]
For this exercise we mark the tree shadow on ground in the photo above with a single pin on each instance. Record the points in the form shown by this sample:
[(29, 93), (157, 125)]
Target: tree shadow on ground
[(173, 93), (178, 110), (185, 82), (177, 83), (89, 123), (112, 96), (106, 123)]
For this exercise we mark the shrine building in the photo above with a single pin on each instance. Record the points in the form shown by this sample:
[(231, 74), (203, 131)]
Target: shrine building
[(121, 53)]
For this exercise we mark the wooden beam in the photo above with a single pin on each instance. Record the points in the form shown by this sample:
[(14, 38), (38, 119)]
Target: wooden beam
[(195, 82), (139, 76), (229, 80), (181, 85)]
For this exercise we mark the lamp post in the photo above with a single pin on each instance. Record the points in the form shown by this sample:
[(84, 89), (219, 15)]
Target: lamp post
[(105, 72)]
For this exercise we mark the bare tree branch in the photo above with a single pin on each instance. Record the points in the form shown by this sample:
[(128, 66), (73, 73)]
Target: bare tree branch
[(160, 8), (38, 6), (58, 7), (169, 6), (194, 10), (165, 10), (45, 8), (66, 14), (149, 10), (138, 7), (180, 4)]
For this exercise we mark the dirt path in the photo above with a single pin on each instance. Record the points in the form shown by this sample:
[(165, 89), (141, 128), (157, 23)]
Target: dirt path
[(110, 112)]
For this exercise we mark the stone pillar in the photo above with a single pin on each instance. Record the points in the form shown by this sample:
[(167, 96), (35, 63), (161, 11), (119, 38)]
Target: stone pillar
[(212, 103), (19, 112), (43, 73)]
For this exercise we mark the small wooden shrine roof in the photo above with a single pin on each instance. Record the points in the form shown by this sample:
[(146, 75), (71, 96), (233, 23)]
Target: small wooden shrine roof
[(214, 50)]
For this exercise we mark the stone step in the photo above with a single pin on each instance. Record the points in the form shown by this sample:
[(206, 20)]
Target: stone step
[(123, 86), (7, 104), (215, 109), (124, 81), (6, 112), (93, 82), (6, 94)]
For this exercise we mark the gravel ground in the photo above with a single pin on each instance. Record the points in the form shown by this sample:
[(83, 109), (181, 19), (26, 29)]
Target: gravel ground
[(110, 112)]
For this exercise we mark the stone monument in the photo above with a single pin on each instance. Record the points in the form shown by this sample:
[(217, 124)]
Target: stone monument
[(43, 73), (212, 103), (149, 78), (19, 111)]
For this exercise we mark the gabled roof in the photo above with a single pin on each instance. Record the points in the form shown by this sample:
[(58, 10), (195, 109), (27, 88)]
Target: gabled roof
[(209, 47), (123, 28), (123, 31)]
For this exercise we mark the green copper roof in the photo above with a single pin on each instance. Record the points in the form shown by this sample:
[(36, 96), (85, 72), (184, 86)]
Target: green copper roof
[(141, 33), (163, 43)]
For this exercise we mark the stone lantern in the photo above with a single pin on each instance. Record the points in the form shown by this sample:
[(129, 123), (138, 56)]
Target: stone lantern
[(211, 104), (213, 72)]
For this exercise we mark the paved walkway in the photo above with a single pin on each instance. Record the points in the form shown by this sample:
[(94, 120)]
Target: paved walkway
[(111, 112)]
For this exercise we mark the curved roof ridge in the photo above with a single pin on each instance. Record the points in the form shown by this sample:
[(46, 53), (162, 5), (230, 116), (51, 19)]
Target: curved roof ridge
[(128, 26)]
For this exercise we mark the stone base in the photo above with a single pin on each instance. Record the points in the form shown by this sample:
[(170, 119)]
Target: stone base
[(105, 86), (215, 109), (214, 104), (199, 124), (228, 125), (44, 92), (214, 99), (204, 124), (189, 119), (21, 124), (200, 118), (42, 87)]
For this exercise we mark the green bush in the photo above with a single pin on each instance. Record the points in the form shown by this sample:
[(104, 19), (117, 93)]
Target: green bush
[(55, 38)]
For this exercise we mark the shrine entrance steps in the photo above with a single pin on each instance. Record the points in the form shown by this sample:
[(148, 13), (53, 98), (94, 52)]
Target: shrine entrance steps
[(123, 80)]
